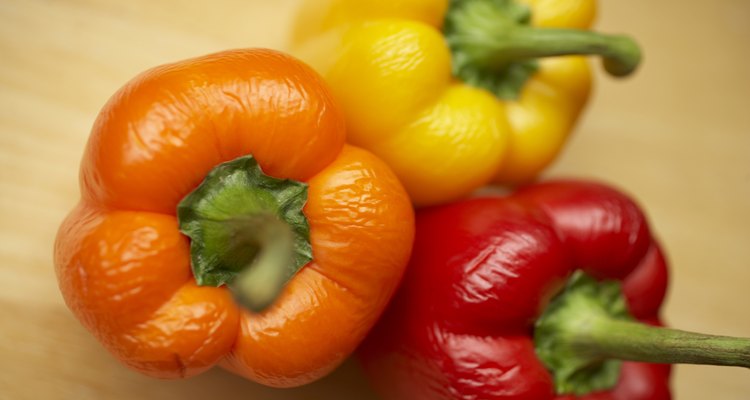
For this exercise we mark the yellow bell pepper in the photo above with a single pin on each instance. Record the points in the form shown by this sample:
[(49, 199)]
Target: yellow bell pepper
[(456, 94)]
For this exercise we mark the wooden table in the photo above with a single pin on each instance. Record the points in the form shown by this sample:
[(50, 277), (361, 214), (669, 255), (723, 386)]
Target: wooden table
[(677, 137)]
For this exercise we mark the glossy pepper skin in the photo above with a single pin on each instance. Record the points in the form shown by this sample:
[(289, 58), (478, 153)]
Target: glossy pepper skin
[(124, 268), (390, 66), (481, 273)]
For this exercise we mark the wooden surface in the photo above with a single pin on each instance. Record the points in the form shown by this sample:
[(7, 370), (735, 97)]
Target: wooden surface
[(677, 137)]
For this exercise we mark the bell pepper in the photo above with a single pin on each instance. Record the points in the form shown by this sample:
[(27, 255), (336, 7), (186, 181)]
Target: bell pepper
[(453, 95), (536, 295), (223, 219)]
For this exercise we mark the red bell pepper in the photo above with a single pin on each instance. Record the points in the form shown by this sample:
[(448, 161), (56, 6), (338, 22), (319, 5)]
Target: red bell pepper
[(521, 297)]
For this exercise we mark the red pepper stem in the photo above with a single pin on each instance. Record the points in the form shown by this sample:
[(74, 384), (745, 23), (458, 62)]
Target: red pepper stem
[(586, 330), (634, 341)]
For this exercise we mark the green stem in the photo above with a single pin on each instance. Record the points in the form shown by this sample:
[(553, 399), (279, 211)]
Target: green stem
[(620, 53), (494, 47), (258, 284), (586, 330), (634, 341), (247, 230)]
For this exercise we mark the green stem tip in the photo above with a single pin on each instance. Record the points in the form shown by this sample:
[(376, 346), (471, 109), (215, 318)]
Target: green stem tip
[(259, 283)]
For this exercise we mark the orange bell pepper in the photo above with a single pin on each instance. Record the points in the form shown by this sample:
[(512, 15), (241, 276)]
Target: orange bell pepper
[(323, 228)]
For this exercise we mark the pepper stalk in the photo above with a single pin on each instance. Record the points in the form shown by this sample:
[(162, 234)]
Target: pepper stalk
[(495, 47), (586, 331), (247, 231)]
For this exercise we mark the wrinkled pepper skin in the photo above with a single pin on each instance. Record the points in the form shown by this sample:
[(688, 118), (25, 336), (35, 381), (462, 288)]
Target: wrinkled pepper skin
[(124, 268), (483, 270), (390, 66)]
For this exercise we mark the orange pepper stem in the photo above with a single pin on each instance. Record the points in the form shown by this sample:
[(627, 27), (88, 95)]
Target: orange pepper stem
[(586, 331), (258, 284), (247, 231)]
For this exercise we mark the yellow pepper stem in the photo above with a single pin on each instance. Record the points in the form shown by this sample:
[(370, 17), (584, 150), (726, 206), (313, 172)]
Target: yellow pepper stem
[(495, 47), (620, 53)]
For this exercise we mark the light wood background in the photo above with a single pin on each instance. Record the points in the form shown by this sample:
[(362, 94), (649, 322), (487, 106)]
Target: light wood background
[(676, 136)]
